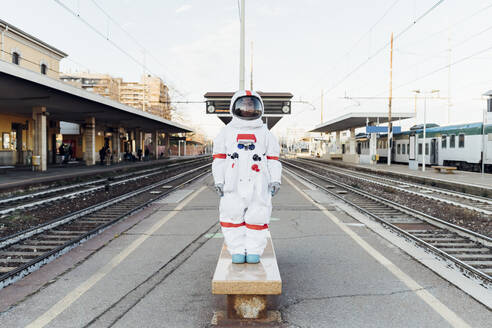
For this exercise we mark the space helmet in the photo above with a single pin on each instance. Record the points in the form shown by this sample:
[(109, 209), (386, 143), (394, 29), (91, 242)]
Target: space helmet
[(246, 105)]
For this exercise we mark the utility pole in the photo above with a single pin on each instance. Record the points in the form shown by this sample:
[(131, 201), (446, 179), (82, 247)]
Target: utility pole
[(241, 48), (449, 77), (390, 125), (251, 77)]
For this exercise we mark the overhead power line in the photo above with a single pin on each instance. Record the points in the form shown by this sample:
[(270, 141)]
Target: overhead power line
[(362, 37), (101, 34), (377, 52), (134, 40), (459, 61)]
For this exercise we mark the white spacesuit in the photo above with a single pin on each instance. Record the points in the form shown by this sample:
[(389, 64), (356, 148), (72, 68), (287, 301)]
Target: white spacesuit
[(247, 172)]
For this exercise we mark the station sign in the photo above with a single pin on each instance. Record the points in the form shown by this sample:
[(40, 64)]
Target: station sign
[(382, 129)]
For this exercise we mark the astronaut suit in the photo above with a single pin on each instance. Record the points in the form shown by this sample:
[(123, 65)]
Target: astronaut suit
[(246, 171)]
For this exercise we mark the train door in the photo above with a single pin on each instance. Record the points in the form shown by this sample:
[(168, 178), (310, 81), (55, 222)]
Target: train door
[(434, 152), (412, 151), (393, 150)]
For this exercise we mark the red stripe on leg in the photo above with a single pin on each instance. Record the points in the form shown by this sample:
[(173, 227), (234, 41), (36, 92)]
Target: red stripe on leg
[(231, 225), (256, 226)]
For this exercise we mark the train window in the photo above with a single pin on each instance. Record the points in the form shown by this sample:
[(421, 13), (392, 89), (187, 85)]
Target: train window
[(408, 149), (461, 141), (420, 148), (427, 149), (398, 149), (452, 141), (403, 149), (443, 141), (43, 69)]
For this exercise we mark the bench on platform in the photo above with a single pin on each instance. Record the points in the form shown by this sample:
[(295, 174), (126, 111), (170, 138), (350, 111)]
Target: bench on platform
[(247, 285), (336, 156), (444, 169), (4, 168)]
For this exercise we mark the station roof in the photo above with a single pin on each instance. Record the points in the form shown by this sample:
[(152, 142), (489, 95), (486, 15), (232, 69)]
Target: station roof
[(357, 120), (22, 89)]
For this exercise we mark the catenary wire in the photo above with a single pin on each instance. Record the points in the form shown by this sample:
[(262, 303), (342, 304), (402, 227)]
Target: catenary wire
[(377, 52)]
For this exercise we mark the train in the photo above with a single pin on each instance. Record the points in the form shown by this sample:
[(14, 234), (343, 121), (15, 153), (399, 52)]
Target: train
[(455, 145)]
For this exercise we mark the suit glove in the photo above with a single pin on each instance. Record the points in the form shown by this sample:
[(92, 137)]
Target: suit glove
[(219, 189), (273, 188)]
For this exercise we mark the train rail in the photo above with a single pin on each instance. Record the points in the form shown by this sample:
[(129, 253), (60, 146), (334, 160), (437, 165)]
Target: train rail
[(44, 197), (470, 202), (26, 251), (471, 252)]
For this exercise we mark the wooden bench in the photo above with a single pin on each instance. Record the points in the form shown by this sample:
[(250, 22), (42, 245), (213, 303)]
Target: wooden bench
[(336, 156), (444, 169), (247, 286), (4, 169)]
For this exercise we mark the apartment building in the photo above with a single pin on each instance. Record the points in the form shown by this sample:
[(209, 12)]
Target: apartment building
[(102, 84)]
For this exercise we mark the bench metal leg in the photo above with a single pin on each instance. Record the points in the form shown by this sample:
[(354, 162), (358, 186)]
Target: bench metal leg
[(246, 306)]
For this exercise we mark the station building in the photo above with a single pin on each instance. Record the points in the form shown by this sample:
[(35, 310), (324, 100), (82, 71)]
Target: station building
[(34, 102), (346, 125)]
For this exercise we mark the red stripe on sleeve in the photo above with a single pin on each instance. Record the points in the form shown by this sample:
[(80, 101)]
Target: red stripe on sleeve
[(223, 156)]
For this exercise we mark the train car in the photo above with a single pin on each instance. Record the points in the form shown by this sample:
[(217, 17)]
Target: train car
[(455, 145)]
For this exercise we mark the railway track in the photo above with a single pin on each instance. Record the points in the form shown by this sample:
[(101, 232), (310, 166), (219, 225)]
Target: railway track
[(26, 251), (45, 197), (471, 202), (471, 252)]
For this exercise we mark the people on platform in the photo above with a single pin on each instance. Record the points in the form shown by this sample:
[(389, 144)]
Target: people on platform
[(61, 151), (139, 154), (246, 172), (147, 153)]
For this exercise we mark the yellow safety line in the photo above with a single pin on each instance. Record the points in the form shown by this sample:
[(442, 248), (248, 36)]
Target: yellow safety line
[(75, 294), (447, 314)]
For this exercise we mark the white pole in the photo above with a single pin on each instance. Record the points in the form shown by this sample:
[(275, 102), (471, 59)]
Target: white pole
[(179, 148), (424, 143), (484, 140), (241, 50)]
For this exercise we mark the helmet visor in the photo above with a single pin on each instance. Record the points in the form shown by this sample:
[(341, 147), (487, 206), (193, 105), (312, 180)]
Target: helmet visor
[(247, 108)]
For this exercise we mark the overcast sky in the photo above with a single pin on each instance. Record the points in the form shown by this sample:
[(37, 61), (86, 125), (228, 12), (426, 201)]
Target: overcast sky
[(299, 46)]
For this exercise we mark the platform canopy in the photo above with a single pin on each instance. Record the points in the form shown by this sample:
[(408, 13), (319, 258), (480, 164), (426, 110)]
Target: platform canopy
[(358, 120), (277, 104), (22, 89)]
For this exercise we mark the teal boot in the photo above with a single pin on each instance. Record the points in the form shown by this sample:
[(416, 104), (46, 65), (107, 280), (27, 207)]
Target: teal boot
[(238, 258), (253, 258)]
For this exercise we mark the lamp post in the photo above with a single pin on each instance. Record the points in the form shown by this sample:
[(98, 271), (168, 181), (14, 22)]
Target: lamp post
[(425, 93)]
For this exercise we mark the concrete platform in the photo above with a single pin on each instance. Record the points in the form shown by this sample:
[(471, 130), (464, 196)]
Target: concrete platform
[(471, 181), (154, 270), (24, 177)]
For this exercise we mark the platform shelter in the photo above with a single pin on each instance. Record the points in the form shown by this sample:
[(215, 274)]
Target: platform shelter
[(350, 122), (277, 104), (36, 104)]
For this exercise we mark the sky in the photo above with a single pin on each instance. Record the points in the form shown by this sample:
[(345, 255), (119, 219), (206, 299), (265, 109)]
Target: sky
[(310, 47)]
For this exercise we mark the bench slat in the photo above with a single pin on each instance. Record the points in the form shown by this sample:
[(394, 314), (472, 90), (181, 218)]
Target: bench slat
[(247, 279)]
